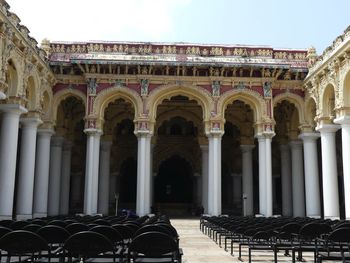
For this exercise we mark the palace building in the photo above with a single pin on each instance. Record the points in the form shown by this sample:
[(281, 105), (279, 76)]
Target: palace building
[(176, 128)]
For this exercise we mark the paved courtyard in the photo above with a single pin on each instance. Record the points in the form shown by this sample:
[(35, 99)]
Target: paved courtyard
[(199, 248)]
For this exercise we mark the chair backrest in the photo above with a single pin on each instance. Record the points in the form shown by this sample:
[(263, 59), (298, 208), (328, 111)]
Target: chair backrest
[(21, 241), (39, 222), (113, 235), (170, 228), (18, 225), (309, 231), (153, 244), (291, 228), (152, 228), (101, 222), (4, 230), (6, 223), (53, 234), (76, 227), (57, 223), (88, 244), (32, 227), (125, 231), (341, 235)]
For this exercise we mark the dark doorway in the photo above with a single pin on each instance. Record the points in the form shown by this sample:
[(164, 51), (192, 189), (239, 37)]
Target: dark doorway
[(128, 182), (173, 187)]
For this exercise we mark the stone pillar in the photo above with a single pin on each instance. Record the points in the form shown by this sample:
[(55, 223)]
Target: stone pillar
[(237, 190), (205, 162), (247, 179), (265, 175), (298, 186), (42, 166), (214, 173), (91, 171), (345, 132), (329, 171), (53, 208), (312, 184), (8, 156), (143, 192), (103, 186), (286, 181), (24, 206), (65, 177), (2, 95)]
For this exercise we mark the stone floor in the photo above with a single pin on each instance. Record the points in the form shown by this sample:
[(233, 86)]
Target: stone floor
[(199, 248)]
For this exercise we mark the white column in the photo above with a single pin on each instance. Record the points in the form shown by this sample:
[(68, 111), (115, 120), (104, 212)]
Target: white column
[(143, 192), (103, 186), (2, 95), (345, 132), (265, 175), (214, 173), (247, 179), (262, 176), (65, 177), (8, 156), (329, 171), (24, 206), (286, 181), (91, 171), (297, 178), (42, 166), (312, 184), (205, 162), (53, 207)]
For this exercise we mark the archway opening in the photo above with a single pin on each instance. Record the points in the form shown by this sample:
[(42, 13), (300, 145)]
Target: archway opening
[(174, 186), (127, 184)]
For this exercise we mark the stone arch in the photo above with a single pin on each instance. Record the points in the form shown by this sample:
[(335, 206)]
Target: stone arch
[(111, 94), (168, 153), (252, 98), (327, 101), (310, 112), (62, 95), (345, 88), (166, 116), (200, 95), (32, 92), (294, 99)]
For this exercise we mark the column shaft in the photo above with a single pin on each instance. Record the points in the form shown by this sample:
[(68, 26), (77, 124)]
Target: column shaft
[(143, 195), (24, 207), (247, 179), (103, 187), (42, 168), (65, 178), (214, 175), (8, 156), (205, 162), (262, 176), (91, 171), (298, 179), (329, 171), (286, 181), (268, 177), (312, 184), (53, 208)]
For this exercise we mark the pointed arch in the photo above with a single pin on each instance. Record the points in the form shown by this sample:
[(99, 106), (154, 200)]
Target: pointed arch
[(62, 95), (294, 99), (252, 98), (111, 94), (200, 95)]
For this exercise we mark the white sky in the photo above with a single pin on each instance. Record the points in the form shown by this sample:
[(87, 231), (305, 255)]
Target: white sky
[(278, 23)]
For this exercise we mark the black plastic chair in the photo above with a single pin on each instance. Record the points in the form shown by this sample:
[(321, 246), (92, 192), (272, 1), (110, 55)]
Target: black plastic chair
[(23, 243), (6, 223), (335, 247), (88, 244), (32, 227), (76, 227), (154, 246), (18, 225), (57, 223)]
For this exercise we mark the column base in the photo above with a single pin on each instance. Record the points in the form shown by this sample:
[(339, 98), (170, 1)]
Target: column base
[(38, 215), (314, 216), (332, 217), (5, 217), (24, 217)]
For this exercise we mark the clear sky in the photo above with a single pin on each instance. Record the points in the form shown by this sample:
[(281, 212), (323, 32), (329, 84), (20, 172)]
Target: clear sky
[(277, 23)]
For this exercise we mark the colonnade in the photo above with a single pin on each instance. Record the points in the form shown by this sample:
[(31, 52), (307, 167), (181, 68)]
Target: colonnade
[(44, 171)]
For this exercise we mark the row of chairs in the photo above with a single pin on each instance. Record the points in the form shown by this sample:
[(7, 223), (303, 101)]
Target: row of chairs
[(327, 239), (84, 238)]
